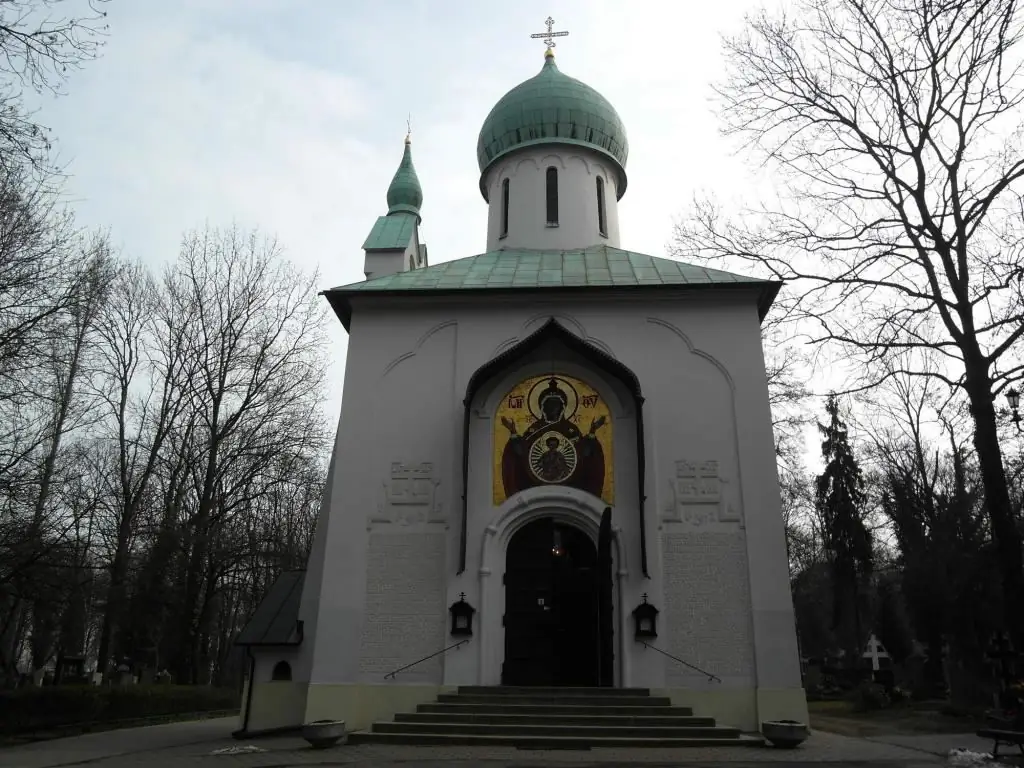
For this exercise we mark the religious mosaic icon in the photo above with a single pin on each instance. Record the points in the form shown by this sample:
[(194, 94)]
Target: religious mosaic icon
[(553, 430)]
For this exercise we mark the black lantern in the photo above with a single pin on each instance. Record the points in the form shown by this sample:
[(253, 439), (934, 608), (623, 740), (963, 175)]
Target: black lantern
[(1013, 398), (462, 617), (646, 617)]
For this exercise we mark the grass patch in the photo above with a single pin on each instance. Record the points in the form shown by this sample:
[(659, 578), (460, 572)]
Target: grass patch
[(910, 717), (60, 732), (29, 711)]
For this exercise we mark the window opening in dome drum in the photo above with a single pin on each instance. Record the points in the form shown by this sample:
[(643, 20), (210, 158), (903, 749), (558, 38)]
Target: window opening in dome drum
[(601, 225), (552, 196), (504, 208)]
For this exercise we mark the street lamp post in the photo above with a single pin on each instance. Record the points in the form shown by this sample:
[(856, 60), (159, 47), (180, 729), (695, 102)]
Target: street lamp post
[(1013, 398)]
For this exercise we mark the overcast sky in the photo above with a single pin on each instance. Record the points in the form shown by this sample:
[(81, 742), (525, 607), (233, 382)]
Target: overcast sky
[(290, 115)]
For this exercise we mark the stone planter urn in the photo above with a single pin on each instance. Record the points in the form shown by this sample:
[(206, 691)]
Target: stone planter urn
[(322, 734), (785, 734)]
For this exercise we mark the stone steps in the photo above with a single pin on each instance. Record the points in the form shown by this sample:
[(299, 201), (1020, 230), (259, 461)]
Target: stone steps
[(568, 719), (534, 691), (554, 718), (545, 742), (616, 701), (554, 710), (560, 729)]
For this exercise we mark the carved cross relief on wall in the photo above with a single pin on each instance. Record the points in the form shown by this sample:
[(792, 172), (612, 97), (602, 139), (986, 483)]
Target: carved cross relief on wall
[(700, 495), (409, 496)]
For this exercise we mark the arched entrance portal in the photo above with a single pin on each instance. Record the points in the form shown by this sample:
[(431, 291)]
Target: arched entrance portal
[(552, 634)]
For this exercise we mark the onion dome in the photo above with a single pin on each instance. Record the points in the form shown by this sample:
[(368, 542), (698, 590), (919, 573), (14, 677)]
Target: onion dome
[(553, 108), (405, 194)]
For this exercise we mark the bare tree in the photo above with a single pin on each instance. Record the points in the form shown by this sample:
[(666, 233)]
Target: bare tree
[(257, 337), (893, 133), (46, 404), (38, 48), (142, 384), (64, 402), (161, 452), (37, 260)]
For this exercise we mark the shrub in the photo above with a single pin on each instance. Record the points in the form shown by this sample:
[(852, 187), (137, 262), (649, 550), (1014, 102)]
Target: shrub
[(34, 708), (869, 696)]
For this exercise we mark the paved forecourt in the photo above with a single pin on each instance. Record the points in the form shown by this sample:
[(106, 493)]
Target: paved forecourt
[(194, 743)]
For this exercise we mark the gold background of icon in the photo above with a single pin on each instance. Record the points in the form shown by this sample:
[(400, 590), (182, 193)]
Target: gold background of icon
[(521, 406)]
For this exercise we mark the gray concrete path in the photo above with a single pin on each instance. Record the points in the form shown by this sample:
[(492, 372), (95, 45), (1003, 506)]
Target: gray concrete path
[(938, 743), (137, 743), (193, 744)]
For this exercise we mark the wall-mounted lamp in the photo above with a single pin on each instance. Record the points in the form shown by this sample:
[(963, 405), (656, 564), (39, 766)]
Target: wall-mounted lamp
[(462, 617), (645, 616)]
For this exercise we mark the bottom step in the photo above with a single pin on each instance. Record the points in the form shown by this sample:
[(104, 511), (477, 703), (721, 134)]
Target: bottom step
[(548, 742)]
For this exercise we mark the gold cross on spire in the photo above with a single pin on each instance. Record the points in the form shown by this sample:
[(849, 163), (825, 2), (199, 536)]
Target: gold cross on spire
[(548, 36)]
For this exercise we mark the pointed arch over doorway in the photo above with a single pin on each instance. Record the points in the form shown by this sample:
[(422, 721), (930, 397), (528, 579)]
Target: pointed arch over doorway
[(553, 330)]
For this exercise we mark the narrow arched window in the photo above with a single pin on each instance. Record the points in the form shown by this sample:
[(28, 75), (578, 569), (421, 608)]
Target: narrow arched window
[(602, 224), (282, 671), (552, 197), (504, 208)]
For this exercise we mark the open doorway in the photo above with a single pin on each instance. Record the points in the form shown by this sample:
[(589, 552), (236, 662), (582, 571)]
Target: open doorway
[(552, 635)]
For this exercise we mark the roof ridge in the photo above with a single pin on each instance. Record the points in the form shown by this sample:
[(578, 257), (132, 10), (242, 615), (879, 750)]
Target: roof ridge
[(537, 270), (385, 281)]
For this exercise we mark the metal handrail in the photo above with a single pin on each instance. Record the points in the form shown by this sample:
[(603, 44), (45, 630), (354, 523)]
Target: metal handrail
[(684, 663), (425, 658)]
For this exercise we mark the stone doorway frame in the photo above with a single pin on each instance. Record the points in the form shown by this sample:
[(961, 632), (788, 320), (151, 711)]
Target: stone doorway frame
[(565, 505)]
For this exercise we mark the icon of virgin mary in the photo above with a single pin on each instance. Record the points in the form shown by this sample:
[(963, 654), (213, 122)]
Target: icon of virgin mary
[(553, 450)]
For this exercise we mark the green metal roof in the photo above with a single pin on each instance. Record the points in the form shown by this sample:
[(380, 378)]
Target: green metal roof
[(600, 267), (552, 108), (391, 232), (275, 621), (405, 193)]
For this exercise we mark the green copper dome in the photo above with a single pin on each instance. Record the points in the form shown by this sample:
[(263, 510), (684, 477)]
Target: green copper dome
[(405, 194), (552, 108)]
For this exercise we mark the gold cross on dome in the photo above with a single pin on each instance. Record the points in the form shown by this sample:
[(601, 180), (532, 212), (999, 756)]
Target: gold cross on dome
[(549, 35)]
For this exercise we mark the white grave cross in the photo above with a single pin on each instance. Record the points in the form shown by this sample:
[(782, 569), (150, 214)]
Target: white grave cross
[(875, 651)]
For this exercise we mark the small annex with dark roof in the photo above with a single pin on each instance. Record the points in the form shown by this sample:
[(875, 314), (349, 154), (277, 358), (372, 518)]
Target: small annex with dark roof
[(276, 619)]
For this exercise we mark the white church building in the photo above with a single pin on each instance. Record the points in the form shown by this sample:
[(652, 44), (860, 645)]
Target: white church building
[(535, 441)]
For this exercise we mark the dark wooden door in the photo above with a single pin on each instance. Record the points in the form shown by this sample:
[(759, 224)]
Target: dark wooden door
[(606, 630), (551, 627), (529, 639)]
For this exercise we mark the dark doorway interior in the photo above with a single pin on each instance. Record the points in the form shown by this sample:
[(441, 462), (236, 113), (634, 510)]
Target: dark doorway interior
[(552, 634)]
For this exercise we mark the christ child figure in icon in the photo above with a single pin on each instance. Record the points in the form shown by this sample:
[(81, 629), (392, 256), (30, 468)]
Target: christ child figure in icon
[(553, 450)]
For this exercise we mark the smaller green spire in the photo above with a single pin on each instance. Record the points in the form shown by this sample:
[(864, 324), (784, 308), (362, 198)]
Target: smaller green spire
[(405, 194)]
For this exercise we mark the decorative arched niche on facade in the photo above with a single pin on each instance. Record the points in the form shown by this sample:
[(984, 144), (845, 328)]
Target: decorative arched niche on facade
[(552, 330), (282, 671)]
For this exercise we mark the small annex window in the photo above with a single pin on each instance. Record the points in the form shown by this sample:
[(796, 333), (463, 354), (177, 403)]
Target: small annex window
[(504, 208), (282, 671), (602, 219), (551, 192)]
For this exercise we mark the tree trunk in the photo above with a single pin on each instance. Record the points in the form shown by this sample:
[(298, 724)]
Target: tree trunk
[(1005, 535), (115, 596), (43, 610)]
